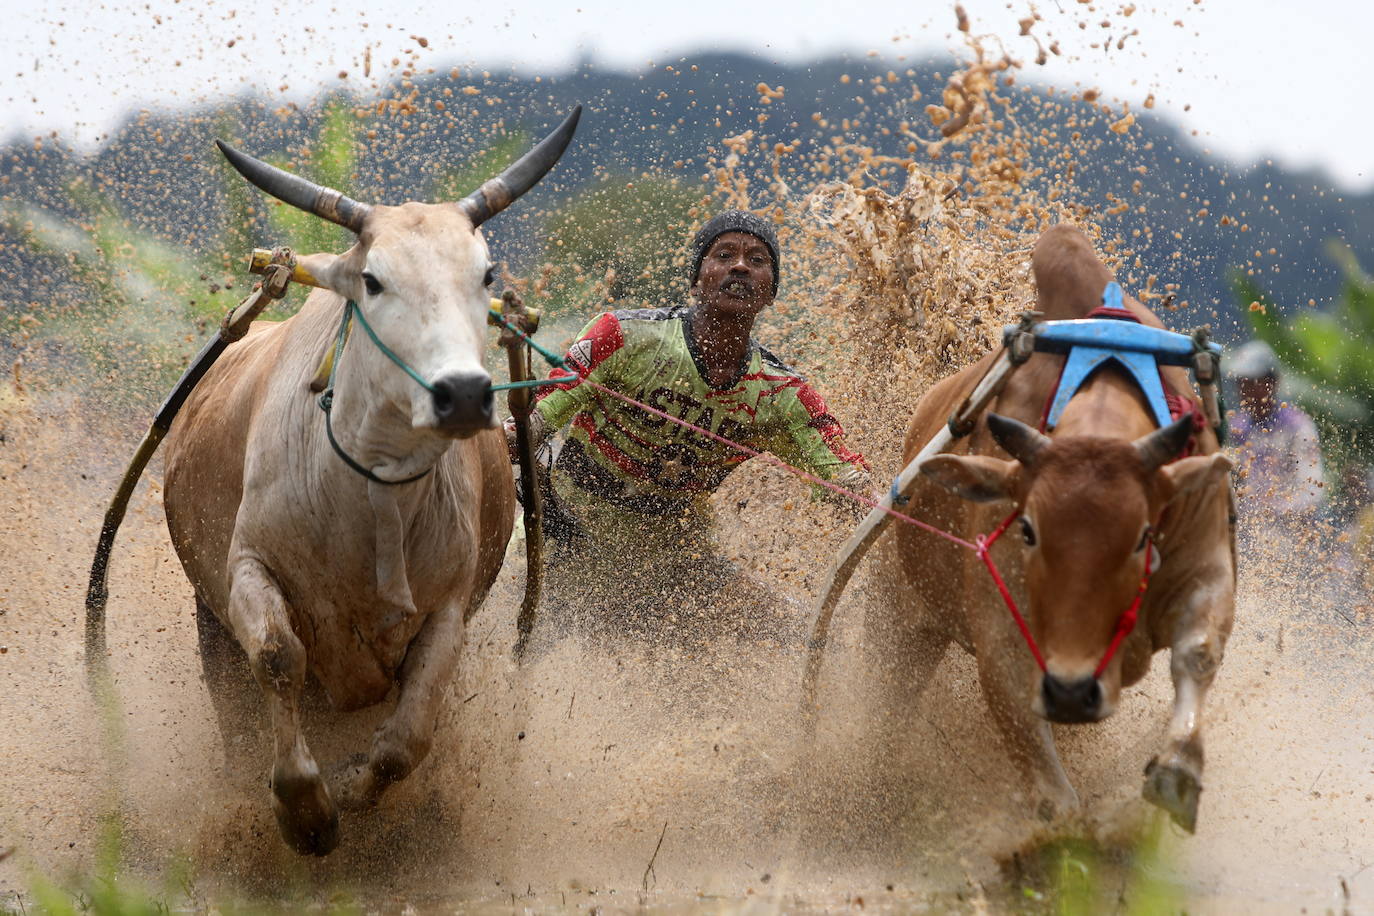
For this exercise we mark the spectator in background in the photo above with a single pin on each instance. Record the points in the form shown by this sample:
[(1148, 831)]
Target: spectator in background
[(1280, 461)]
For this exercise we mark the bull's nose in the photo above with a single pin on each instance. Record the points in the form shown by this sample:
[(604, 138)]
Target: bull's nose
[(1072, 701), (463, 400)]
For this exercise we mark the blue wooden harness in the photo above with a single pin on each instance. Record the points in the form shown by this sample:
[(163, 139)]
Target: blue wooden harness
[(1090, 343)]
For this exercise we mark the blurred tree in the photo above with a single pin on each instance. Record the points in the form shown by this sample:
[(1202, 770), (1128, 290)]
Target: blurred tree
[(138, 298), (145, 301), (620, 240), (1328, 362), (330, 159)]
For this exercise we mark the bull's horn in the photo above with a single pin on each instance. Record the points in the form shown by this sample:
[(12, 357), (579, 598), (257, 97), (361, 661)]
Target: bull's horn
[(1019, 440), (496, 194), (325, 203), (1164, 445)]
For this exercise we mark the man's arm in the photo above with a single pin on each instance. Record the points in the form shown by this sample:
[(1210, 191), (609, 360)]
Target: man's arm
[(594, 354), (814, 441)]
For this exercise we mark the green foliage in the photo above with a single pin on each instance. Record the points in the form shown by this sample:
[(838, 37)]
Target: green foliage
[(1328, 363), (140, 296), (621, 239), (146, 298), (330, 160), (460, 181), (1077, 874)]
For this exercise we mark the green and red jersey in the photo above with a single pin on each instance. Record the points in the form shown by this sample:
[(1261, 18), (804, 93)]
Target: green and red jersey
[(640, 461)]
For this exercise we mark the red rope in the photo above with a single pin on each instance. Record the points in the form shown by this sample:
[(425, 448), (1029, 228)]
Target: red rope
[(983, 549), (1126, 623)]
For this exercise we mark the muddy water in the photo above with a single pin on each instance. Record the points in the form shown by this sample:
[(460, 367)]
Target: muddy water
[(631, 773)]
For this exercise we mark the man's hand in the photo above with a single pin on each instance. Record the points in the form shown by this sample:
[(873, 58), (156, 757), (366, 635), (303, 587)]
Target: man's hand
[(536, 423), (855, 480), (512, 441)]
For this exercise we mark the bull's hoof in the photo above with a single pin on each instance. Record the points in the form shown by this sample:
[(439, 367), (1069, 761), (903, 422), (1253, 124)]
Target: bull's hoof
[(307, 817), (1175, 790), (353, 784)]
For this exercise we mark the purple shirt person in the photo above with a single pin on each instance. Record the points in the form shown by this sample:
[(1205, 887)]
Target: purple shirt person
[(1276, 444)]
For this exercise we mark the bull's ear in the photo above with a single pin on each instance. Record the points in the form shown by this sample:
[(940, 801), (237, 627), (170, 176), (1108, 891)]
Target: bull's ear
[(976, 477), (326, 270), (1188, 474)]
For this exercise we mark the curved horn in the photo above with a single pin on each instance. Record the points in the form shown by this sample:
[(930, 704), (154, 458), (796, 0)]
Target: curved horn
[(1019, 440), (1164, 445), (496, 194), (325, 203)]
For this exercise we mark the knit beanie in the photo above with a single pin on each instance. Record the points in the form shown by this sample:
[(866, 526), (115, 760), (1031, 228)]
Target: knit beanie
[(733, 221)]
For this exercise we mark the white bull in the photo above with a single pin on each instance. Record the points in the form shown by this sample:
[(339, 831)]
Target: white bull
[(356, 560)]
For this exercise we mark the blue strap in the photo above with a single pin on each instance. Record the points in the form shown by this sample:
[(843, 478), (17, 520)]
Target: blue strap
[(1112, 298), (1084, 361), (1139, 350)]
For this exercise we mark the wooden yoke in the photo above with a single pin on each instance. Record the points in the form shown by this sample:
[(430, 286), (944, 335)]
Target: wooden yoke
[(521, 403)]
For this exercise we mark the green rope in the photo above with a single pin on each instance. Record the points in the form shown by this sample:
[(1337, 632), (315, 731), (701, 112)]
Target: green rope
[(362, 320), (553, 359), (326, 400), (528, 383)]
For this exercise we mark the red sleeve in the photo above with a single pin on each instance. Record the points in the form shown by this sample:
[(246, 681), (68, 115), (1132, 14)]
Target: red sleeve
[(599, 339)]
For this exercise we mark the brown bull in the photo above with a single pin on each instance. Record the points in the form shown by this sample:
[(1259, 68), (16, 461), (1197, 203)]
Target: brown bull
[(353, 545), (1089, 499)]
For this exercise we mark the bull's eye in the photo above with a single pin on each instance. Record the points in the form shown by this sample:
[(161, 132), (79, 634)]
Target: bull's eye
[(1027, 532), (1144, 539), (489, 279), (374, 287)]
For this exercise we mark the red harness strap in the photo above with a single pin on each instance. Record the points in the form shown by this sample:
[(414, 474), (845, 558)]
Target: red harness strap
[(1124, 624), (984, 547)]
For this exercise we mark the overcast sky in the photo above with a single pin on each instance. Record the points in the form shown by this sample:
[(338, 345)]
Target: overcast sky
[(1260, 80)]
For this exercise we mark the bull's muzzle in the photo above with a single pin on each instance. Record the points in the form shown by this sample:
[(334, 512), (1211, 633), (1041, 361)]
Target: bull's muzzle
[(463, 401), (1079, 700)]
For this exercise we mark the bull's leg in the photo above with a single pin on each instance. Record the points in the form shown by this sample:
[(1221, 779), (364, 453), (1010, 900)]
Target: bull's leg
[(224, 669), (1029, 741), (902, 662), (404, 739), (1173, 780), (308, 819)]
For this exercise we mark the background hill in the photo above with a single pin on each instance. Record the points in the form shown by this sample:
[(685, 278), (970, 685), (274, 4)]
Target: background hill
[(1189, 218)]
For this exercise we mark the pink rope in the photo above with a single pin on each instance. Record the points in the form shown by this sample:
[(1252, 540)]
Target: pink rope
[(981, 547), (984, 553), (779, 463)]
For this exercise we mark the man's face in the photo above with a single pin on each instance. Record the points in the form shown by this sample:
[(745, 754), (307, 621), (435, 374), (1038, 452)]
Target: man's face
[(1257, 394), (736, 274)]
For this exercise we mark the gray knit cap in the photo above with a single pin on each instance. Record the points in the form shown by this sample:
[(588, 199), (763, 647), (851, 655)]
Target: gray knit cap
[(733, 221)]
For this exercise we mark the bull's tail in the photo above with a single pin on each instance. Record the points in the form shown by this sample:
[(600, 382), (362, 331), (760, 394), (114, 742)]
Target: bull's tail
[(960, 424), (98, 592)]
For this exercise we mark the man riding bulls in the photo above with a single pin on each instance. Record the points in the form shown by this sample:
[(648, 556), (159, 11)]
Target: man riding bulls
[(636, 485)]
